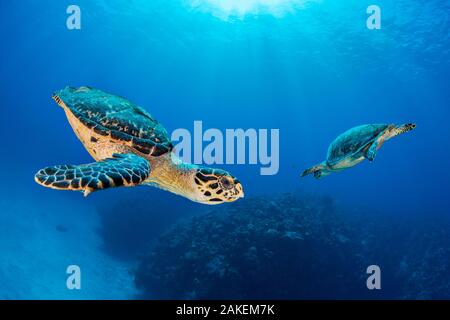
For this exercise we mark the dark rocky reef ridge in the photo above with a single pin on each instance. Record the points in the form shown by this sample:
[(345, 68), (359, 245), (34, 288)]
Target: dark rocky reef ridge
[(284, 247), (296, 247)]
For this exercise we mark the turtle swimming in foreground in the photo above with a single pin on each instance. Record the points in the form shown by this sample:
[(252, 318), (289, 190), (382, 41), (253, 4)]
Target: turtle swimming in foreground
[(355, 145), (130, 148)]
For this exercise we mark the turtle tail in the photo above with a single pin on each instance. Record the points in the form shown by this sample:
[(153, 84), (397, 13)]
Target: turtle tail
[(316, 170), (404, 128)]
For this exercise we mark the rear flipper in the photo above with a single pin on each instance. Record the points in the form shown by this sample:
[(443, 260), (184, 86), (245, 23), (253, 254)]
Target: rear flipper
[(319, 171), (126, 170)]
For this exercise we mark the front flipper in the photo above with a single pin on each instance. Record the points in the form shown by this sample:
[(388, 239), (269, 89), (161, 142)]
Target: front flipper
[(126, 170), (372, 151)]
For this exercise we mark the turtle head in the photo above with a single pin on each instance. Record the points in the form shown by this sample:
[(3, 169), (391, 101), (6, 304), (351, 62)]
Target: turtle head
[(395, 130), (214, 186)]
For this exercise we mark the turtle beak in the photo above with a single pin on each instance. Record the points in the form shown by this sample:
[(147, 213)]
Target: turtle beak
[(236, 193)]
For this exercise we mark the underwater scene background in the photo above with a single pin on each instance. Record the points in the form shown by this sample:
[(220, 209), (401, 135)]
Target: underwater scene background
[(311, 69)]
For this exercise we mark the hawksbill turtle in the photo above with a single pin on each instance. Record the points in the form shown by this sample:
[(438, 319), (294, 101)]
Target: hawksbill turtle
[(355, 145), (130, 148)]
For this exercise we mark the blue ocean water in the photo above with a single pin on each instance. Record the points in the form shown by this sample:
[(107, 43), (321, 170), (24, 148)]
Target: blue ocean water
[(311, 69)]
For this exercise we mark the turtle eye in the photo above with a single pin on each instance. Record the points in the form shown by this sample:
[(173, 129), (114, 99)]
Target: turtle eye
[(226, 183)]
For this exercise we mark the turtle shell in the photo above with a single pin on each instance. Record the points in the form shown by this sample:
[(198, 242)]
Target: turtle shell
[(123, 121), (353, 141)]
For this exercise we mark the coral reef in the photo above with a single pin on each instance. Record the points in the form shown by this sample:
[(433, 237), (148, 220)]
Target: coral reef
[(297, 247), (284, 247), (424, 266)]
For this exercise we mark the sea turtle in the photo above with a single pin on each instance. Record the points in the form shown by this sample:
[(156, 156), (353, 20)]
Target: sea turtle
[(131, 148), (355, 145)]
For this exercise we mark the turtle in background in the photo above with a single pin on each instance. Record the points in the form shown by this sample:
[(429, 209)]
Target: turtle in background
[(355, 145), (130, 148)]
